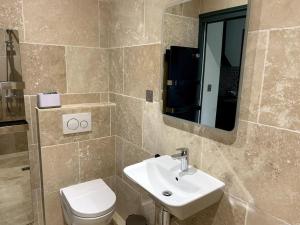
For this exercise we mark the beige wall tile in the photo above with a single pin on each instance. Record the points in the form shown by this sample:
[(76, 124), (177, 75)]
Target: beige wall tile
[(71, 22), (175, 10), (111, 182), (34, 162), (128, 154), (60, 166), (43, 68), (142, 70), (127, 199), (191, 8), (279, 14), (227, 211), (256, 166), (148, 209), (104, 9), (69, 99), (214, 5), (28, 118), (97, 158), (252, 75), (37, 203), (11, 14), (53, 210), (50, 124), (33, 127), (185, 34), (104, 97), (163, 139), (280, 104), (127, 118), (116, 73), (133, 154), (153, 20), (257, 217), (119, 156), (126, 26), (87, 70)]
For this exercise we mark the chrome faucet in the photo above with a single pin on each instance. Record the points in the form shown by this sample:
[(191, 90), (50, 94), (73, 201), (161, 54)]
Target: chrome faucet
[(184, 157)]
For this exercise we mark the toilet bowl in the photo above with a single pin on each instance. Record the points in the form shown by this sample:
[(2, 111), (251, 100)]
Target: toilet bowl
[(89, 203)]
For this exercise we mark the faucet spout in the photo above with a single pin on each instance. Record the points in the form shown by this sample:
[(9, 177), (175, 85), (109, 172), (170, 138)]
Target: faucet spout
[(184, 157)]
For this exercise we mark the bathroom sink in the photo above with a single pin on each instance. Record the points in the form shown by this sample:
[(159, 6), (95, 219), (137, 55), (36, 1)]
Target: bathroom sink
[(181, 193)]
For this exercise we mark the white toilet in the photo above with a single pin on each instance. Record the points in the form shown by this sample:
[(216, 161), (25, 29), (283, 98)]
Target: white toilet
[(89, 203)]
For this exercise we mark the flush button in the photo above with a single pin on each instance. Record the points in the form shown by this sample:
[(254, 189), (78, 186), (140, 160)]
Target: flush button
[(77, 123), (73, 124), (84, 124)]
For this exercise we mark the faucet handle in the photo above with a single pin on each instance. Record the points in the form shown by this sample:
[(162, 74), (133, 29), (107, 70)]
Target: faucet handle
[(183, 151)]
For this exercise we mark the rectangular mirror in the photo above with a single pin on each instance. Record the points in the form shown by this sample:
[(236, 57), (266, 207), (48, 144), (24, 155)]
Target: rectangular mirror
[(203, 43)]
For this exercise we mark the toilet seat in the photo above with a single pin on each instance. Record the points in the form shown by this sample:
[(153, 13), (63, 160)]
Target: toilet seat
[(90, 199)]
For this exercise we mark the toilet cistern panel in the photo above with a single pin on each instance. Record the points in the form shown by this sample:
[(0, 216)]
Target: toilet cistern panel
[(77, 123)]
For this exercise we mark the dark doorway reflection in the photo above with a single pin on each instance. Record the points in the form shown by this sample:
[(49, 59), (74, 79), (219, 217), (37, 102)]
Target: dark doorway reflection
[(202, 84)]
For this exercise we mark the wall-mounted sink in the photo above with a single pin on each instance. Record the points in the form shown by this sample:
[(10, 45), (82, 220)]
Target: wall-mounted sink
[(182, 194)]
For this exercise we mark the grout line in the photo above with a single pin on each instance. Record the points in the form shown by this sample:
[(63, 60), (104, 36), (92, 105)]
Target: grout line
[(81, 93), (62, 45), (110, 121), (138, 45), (90, 47), (278, 29), (76, 141), (109, 70), (115, 155), (31, 120), (79, 162), (143, 110), (135, 145), (144, 20), (181, 16), (66, 67), (263, 76), (182, 8), (99, 28), (23, 21), (246, 215), (123, 70), (270, 126), (100, 99), (202, 153), (128, 96)]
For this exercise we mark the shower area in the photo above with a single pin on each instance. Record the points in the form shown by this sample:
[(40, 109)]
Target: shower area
[(15, 187)]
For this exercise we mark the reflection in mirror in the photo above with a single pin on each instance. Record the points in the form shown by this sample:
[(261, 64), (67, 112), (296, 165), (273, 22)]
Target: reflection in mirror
[(203, 45), (12, 110)]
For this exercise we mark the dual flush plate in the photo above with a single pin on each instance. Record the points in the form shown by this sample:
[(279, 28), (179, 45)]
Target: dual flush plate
[(77, 123)]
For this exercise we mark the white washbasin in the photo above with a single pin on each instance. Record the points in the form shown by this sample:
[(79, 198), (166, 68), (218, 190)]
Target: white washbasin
[(191, 192)]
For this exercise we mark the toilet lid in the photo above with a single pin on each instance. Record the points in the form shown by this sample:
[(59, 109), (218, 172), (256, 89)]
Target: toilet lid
[(90, 199)]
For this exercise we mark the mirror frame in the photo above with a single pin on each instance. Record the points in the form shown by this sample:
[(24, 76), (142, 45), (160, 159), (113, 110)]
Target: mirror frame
[(223, 136)]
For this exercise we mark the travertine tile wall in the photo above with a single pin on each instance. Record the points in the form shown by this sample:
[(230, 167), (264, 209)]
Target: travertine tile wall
[(74, 158), (60, 49), (261, 165), (61, 44)]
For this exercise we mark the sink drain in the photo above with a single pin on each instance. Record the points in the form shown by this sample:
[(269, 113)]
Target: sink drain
[(167, 193)]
